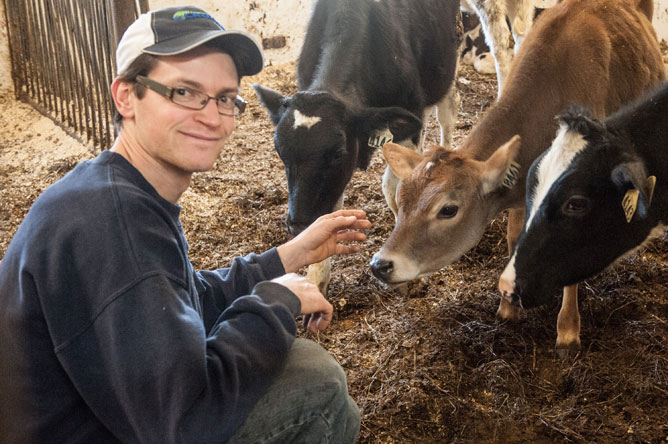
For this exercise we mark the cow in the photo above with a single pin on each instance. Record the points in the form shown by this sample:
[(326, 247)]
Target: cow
[(367, 72), (598, 193), (501, 19), (447, 198), (474, 51)]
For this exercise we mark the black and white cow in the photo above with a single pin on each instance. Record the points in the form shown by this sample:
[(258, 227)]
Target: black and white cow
[(475, 51), (505, 24), (599, 192), (367, 72)]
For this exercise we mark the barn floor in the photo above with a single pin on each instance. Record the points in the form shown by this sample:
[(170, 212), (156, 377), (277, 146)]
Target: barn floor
[(429, 364)]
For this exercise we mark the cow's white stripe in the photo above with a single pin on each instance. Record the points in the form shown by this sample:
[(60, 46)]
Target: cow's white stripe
[(508, 276), (559, 156), (305, 121)]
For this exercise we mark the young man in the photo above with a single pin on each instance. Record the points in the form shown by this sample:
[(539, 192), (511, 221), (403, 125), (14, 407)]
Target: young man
[(108, 334)]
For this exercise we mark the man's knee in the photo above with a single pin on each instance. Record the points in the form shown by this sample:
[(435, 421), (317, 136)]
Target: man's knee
[(325, 385), (308, 402)]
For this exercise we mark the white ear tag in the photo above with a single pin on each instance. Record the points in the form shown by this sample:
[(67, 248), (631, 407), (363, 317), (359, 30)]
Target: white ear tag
[(512, 175), (380, 138), (630, 203)]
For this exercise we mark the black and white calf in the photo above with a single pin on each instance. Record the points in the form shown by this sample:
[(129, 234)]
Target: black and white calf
[(474, 50), (367, 73), (598, 193), (501, 21)]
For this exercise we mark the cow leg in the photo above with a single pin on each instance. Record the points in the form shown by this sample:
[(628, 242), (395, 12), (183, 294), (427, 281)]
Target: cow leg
[(568, 322), (507, 310), (521, 14), (446, 113), (492, 16), (320, 272), (515, 223)]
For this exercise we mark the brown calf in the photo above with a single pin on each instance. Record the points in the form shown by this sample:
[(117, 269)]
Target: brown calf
[(596, 53)]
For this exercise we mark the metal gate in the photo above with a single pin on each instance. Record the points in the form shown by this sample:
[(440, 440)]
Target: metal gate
[(63, 60)]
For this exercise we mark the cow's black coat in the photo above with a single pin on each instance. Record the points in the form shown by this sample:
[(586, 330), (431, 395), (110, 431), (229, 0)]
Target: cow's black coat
[(365, 66)]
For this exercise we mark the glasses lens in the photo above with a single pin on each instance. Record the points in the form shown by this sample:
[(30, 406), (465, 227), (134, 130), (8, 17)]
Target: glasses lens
[(189, 98)]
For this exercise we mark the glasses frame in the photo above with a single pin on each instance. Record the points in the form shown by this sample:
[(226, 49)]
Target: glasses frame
[(168, 92)]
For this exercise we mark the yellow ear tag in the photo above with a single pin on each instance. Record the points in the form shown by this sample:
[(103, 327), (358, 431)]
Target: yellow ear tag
[(512, 174), (651, 183), (630, 203), (380, 138)]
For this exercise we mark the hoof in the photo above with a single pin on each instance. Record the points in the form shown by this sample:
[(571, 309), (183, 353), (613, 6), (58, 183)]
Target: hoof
[(568, 350)]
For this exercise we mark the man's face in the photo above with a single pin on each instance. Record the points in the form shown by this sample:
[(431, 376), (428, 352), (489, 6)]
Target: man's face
[(183, 140)]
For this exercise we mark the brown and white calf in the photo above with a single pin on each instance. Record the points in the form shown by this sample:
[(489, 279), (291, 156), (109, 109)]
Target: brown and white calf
[(599, 192), (596, 53)]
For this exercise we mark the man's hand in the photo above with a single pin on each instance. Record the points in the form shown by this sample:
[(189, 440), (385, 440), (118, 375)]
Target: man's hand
[(316, 309), (325, 237)]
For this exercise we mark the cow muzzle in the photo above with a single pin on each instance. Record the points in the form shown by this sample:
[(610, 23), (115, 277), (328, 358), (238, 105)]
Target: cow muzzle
[(381, 268)]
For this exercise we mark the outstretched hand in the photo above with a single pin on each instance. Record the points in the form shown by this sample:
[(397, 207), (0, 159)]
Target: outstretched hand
[(328, 235)]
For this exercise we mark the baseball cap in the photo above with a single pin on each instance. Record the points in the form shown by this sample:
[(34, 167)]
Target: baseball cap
[(177, 29)]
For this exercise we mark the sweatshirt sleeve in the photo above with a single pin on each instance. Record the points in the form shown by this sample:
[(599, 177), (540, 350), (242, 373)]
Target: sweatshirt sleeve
[(181, 383), (217, 289)]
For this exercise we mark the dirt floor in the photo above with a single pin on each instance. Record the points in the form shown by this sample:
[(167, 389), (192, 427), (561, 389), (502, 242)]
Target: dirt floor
[(429, 364)]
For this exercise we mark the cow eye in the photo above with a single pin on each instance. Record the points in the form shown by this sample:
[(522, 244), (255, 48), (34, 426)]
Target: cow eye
[(576, 206), (448, 212)]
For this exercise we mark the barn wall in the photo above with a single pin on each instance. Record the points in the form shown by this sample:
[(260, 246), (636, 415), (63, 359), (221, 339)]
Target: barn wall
[(265, 19), (262, 18)]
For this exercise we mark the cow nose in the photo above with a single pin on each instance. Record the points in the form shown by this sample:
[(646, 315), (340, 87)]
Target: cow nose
[(506, 287), (381, 268), (511, 290)]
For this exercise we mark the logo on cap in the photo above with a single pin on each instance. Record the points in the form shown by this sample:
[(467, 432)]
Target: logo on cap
[(187, 14)]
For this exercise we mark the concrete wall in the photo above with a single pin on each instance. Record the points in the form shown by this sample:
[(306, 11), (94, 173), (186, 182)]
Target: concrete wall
[(266, 19)]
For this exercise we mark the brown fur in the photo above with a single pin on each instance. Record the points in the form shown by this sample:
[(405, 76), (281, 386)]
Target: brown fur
[(568, 58), (597, 53)]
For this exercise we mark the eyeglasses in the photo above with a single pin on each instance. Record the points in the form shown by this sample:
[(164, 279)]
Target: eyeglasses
[(193, 99)]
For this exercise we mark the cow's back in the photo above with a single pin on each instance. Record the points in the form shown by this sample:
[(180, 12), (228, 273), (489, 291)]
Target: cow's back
[(597, 53), (388, 53)]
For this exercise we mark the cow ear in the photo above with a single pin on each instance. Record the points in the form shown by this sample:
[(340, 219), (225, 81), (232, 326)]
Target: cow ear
[(501, 170), (275, 102), (371, 122), (632, 178), (402, 160)]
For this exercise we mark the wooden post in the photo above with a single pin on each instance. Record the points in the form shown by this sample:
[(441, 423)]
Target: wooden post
[(123, 13)]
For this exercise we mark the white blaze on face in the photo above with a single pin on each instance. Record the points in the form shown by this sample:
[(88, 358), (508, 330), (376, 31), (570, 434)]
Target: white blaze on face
[(557, 159), (305, 121)]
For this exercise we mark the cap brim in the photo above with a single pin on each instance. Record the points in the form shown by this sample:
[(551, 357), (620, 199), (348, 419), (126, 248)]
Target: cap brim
[(240, 45)]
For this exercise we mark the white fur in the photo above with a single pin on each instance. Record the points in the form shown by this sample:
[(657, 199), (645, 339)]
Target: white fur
[(557, 159), (509, 274), (302, 120)]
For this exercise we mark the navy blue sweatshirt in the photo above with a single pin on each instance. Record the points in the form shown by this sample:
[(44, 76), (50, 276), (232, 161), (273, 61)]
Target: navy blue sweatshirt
[(107, 334)]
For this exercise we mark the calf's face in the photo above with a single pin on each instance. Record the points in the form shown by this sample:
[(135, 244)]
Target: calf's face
[(443, 208), (321, 142), (576, 222)]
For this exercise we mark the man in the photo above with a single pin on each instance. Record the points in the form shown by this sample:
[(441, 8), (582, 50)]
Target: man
[(108, 334)]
